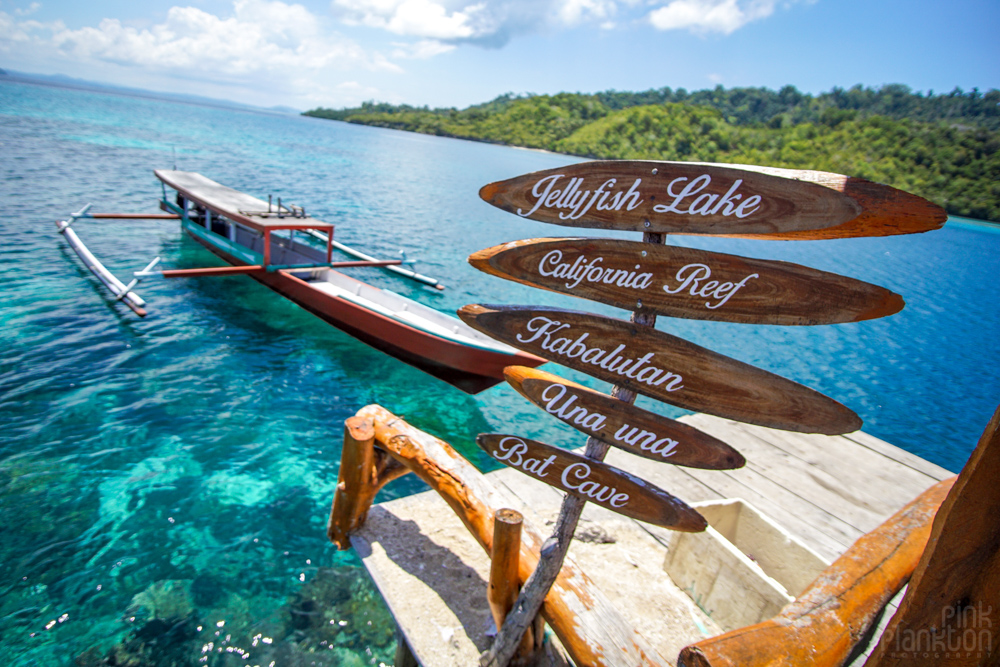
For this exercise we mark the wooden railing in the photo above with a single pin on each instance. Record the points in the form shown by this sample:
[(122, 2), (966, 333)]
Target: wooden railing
[(822, 627)]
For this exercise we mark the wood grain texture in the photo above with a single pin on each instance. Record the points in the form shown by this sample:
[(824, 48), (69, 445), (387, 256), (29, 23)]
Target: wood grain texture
[(718, 199), (356, 481), (505, 580), (686, 282), (663, 367), (587, 624), (593, 481), (622, 424), (950, 612), (827, 620), (364, 470)]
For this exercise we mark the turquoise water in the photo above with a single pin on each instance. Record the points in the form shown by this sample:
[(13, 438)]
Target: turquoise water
[(165, 482)]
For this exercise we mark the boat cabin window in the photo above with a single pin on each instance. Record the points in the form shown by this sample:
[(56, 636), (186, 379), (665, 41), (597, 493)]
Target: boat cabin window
[(220, 225)]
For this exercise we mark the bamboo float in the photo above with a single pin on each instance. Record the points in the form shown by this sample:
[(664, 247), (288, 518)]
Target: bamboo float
[(833, 614), (589, 627), (117, 287)]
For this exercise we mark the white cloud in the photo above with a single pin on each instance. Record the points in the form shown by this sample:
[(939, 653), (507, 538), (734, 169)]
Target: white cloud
[(418, 18), (490, 23), (573, 12), (422, 50), (704, 16), (30, 9), (261, 35)]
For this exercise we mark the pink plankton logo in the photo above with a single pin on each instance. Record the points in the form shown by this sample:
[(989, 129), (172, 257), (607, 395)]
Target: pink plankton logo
[(962, 633)]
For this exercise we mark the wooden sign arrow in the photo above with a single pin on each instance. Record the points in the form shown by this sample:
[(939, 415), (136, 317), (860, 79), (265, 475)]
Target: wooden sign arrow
[(699, 198), (663, 367), (593, 481), (622, 424), (684, 282)]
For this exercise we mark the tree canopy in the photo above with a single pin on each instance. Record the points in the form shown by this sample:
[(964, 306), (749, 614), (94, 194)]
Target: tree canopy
[(942, 147)]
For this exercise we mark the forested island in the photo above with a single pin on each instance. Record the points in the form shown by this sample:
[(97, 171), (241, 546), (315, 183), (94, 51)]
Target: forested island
[(944, 147)]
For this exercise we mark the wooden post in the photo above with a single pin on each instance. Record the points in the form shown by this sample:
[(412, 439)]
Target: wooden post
[(505, 583), (364, 470), (948, 615), (356, 481), (589, 627), (554, 550)]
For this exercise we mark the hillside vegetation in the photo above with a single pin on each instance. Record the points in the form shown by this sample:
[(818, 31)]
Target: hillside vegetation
[(943, 147)]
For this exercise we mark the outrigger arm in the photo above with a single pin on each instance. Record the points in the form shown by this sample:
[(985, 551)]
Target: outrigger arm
[(120, 290)]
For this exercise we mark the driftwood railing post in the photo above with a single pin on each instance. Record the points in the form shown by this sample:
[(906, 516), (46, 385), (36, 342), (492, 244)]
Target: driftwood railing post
[(505, 582), (555, 548), (364, 470), (355, 482)]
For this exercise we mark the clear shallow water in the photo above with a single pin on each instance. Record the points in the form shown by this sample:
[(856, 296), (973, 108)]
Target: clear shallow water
[(163, 475)]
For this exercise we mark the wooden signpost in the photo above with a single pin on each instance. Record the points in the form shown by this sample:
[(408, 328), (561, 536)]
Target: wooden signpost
[(657, 198), (663, 367), (592, 481), (718, 199), (689, 283), (623, 425)]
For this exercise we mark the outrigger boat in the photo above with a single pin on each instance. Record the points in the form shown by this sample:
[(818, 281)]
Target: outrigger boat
[(258, 239)]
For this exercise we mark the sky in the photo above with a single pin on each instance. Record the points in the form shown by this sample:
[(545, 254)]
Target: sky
[(454, 53)]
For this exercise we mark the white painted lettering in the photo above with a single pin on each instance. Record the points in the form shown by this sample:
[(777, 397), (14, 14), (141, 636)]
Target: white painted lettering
[(691, 276), (516, 448)]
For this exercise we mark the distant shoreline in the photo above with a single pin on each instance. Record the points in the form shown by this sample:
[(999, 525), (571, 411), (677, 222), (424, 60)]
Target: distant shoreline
[(944, 148), (59, 81)]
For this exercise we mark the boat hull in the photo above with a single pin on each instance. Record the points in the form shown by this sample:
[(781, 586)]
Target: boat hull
[(469, 368)]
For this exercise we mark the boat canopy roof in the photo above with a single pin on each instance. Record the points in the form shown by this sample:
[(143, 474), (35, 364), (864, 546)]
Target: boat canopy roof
[(233, 204)]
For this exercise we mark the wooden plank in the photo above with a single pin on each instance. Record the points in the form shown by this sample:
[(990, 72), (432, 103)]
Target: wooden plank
[(900, 455), (233, 204), (946, 617), (824, 623), (871, 479), (592, 481), (698, 198), (820, 530), (823, 533), (622, 424), (663, 367), (852, 498), (686, 282)]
